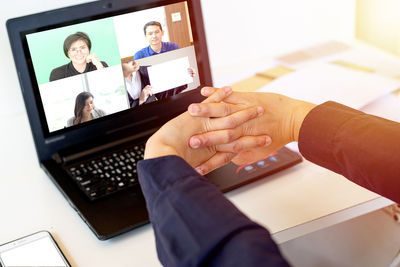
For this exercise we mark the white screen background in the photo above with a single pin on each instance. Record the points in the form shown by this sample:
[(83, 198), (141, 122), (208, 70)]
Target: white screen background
[(41, 252)]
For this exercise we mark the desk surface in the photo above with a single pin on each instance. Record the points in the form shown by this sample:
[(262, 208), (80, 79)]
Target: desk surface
[(294, 202), (291, 203)]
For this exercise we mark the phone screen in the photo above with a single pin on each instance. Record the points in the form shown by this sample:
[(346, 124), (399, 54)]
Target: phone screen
[(35, 250)]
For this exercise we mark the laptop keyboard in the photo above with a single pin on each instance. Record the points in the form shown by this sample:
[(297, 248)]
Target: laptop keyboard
[(107, 174)]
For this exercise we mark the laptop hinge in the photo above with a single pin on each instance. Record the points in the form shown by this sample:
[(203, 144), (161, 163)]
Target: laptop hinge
[(57, 158), (64, 159)]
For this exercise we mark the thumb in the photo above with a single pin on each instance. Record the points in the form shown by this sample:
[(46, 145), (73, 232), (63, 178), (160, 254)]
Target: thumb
[(248, 156)]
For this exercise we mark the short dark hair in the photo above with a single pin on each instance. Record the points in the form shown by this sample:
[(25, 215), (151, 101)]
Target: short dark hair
[(151, 23), (75, 37)]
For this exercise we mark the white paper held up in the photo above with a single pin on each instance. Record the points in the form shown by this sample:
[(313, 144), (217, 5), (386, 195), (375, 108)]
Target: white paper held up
[(170, 74)]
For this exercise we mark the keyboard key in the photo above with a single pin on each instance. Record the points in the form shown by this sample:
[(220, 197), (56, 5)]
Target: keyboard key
[(85, 183), (108, 173)]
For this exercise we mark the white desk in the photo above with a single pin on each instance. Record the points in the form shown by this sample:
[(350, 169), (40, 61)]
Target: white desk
[(294, 202), (291, 203)]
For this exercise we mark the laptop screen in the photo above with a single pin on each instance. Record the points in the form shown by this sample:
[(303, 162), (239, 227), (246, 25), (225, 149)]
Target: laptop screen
[(84, 71)]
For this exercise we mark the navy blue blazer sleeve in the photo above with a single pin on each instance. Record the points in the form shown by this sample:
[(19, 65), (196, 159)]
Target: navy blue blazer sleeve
[(194, 224)]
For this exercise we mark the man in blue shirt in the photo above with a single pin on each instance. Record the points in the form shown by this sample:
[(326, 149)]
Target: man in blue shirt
[(153, 32)]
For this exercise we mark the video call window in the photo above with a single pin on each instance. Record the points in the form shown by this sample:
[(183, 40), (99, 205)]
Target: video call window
[(90, 70)]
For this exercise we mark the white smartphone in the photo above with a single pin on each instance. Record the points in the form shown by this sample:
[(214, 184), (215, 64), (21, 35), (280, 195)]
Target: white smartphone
[(38, 249)]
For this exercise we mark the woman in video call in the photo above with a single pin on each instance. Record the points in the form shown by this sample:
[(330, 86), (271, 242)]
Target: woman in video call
[(85, 109), (137, 85), (77, 48)]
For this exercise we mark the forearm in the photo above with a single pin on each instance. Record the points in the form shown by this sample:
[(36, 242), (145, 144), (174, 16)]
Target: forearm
[(99, 66), (143, 97), (96, 61), (194, 223), (361, 147)]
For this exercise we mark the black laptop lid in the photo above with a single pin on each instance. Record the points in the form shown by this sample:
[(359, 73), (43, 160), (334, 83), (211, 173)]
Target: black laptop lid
[(54, 92)]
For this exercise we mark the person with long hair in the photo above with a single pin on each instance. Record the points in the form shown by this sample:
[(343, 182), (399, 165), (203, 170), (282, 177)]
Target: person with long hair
[(77, 48), (85, 109)]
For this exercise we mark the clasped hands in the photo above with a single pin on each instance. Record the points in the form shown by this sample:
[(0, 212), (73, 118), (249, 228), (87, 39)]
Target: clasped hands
[(229, 126)]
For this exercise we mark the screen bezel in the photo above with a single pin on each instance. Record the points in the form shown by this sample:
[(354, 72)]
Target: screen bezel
[(114, 126)]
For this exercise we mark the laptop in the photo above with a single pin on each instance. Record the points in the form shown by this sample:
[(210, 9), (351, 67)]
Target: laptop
[(85, 73)]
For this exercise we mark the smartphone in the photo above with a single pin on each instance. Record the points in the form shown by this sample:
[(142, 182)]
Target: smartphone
[(38, 249)]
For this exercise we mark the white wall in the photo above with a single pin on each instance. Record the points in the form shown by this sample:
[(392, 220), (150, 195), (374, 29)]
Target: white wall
[(378, 23), (241, 31), (129, 29)]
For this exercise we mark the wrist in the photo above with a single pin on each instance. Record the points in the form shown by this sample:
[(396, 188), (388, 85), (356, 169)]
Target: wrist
[(99, 66), (156, 148), (142, 98), (300, 111)]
